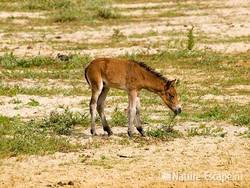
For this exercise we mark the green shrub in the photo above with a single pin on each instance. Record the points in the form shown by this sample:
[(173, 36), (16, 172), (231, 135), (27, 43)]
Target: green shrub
[(190, 41)]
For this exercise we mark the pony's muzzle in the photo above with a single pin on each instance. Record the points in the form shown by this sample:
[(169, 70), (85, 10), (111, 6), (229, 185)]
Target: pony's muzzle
[(177, 110)]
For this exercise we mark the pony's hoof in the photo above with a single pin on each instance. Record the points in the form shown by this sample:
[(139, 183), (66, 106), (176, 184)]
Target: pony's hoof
[(141, 131), (143, 134), (108, 130), (110, 133), (93, 133), (130, 134)]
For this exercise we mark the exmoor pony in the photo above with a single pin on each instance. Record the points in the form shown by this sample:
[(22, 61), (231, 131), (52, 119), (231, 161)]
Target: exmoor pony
[(131, 76)]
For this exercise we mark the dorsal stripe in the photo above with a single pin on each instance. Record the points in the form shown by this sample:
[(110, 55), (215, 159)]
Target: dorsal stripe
[(151, 70)]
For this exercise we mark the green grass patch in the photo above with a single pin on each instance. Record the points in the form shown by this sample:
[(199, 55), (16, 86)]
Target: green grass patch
[(45, 4), (214, 113), (14, 90), (171, 13), (166, 132), (62, 123), (241, 117), (10, 61), (39, 136), (102, 162), (33, 103)]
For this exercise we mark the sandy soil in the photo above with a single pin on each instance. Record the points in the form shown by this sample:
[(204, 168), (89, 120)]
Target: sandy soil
[(118, 161), (21, 14), (88, 168), (217, 23)]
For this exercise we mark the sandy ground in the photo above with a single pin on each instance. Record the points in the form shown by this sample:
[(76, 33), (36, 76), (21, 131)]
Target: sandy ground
[(219, 20), (151, 164), (118, 161)]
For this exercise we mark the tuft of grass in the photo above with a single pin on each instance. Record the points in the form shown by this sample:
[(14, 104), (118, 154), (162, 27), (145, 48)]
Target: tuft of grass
[(118, 118), (107, 13), (102, 8), (103, 162), (117, 35), (166, 132), (204, 130), (190, 41), (214, 113), (6, 125), (62, 123), (246, 134), (33, 102), (15, 101), (68, 14), (242, 117)]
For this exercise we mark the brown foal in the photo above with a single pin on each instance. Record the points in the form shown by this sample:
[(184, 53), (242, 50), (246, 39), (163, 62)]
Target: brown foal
[(131, 76)]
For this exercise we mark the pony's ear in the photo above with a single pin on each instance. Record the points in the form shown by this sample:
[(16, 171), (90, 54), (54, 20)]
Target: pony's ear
[(170, 83)]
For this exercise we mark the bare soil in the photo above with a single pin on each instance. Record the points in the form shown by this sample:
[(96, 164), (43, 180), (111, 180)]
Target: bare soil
[(117, 161)]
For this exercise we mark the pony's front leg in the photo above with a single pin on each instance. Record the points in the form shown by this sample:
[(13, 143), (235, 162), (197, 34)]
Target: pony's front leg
[(137, 118), (132, 95)]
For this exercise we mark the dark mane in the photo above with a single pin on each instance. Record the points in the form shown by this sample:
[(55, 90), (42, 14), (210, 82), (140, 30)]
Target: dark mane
[(151, 70)]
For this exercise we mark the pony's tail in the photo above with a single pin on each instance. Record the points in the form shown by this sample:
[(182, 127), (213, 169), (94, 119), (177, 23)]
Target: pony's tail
[(85, 74)]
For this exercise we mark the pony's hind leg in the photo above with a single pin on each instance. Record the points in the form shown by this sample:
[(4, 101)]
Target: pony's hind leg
[(137, 117), (100, 110), (96, 91)]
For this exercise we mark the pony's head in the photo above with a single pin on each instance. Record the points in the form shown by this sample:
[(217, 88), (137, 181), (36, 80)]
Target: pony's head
[(170, 97)]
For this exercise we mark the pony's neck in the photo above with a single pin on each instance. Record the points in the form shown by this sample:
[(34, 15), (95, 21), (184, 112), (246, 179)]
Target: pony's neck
[(153, 83)]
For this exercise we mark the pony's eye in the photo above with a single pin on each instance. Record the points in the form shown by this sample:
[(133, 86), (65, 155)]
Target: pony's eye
[(171, 97)]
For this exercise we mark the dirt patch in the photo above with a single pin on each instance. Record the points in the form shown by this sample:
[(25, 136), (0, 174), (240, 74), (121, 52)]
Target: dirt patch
[(241, 99), (239, 87), (103, 167), (107, 52), (147, 12), (235, 47), (142, 5), (47, 84), (46, 104), (22, 14)]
